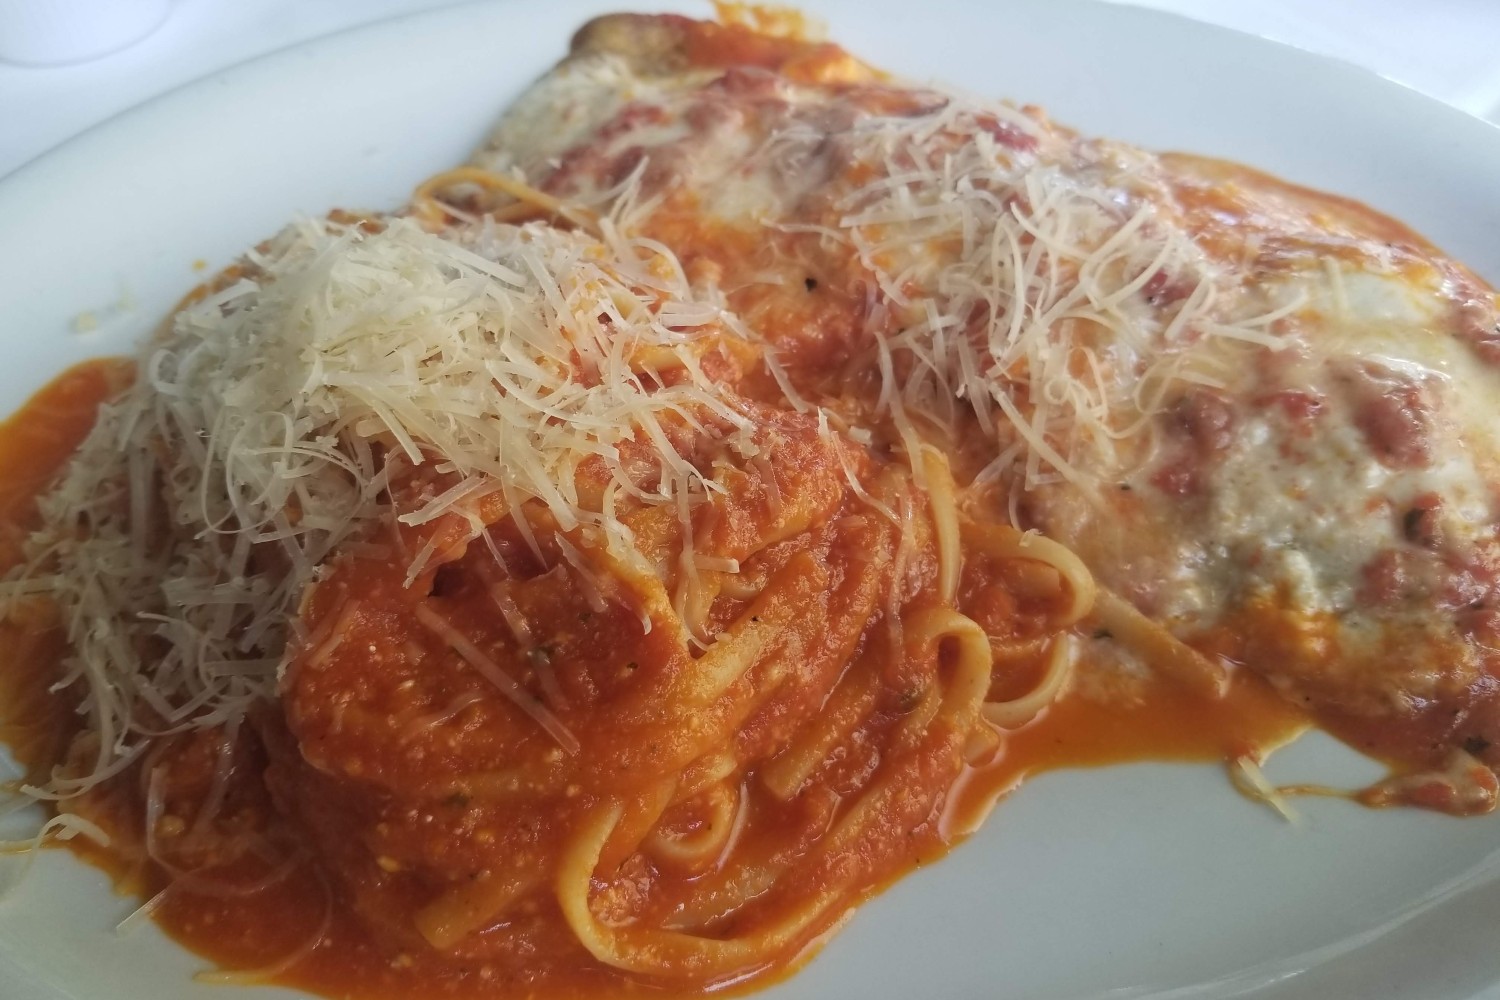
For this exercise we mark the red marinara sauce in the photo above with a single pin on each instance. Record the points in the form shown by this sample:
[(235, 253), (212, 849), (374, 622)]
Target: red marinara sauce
[(1088, 727)]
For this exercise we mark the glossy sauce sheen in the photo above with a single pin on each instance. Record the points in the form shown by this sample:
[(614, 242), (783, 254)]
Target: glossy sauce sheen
[(1090, 726)]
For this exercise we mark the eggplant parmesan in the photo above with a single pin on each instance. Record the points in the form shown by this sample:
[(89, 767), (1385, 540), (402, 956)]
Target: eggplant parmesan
[(1261, 413)]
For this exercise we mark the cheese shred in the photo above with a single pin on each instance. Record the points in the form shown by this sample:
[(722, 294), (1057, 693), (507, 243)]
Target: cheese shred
[(1038, 281), (272, 422)]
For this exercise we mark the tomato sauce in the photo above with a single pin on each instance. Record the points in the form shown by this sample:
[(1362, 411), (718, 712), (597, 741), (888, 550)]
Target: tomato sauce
[(1090, 726)]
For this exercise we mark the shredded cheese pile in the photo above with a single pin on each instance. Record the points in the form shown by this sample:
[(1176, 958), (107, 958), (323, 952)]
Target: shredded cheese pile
[(265, 425), (1034, 279)]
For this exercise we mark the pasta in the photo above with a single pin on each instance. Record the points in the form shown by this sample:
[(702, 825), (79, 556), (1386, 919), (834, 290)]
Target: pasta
[(663, 660)]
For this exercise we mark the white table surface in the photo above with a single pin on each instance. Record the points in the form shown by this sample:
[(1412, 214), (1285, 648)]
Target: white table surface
[(1449, 49)]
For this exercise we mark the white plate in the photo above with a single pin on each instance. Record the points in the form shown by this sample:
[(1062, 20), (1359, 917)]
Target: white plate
[(1130, 881)]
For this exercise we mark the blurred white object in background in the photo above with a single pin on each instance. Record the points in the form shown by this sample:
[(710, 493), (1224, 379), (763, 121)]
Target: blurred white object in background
[(51, 32)]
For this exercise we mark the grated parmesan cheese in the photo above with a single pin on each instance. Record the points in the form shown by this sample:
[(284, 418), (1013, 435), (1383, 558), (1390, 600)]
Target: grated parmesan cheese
[(1012, 277), (267, 424)]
